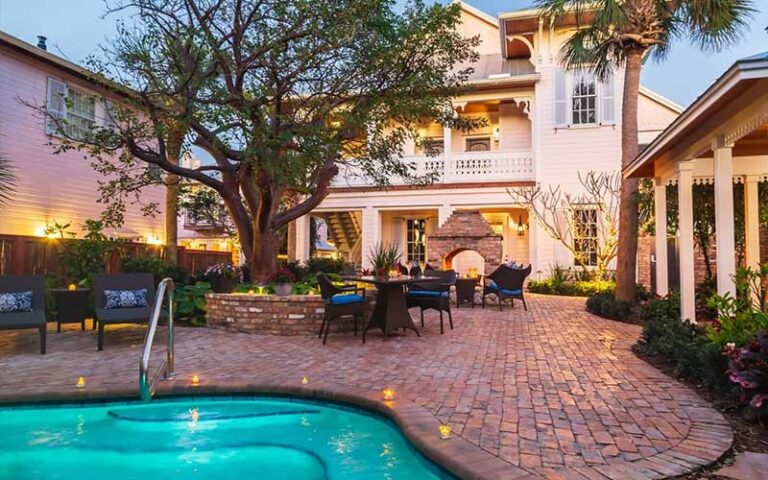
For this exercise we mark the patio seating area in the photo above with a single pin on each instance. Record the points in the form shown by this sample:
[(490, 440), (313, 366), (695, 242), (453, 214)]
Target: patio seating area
[(549, 391)]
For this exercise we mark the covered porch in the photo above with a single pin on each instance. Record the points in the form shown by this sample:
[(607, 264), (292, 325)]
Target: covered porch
[(721, 138)]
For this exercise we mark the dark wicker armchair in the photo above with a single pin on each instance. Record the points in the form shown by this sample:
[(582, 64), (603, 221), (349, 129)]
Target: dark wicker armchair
[(507, 285), (115, 316), (25, 320), (435, 295), (339, 302)]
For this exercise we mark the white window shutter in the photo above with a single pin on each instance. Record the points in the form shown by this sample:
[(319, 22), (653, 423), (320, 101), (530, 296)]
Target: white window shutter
[(56, 104), (561, 99), (109, 115), (607, 101)]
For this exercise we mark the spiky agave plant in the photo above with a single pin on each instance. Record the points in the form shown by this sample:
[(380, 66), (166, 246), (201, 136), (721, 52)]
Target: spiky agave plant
[(7, 179), (383, 257)]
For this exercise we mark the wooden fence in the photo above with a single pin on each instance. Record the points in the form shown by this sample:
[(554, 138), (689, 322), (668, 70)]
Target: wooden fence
[(22, 255)]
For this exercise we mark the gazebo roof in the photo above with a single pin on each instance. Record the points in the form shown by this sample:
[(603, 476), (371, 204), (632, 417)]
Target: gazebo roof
[(735, 107)]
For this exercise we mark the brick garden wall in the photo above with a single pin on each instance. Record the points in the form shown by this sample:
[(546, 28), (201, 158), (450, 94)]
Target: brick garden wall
[(274, 315)]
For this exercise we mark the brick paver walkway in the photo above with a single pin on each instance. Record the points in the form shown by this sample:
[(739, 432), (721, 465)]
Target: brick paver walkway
[(554, 391)]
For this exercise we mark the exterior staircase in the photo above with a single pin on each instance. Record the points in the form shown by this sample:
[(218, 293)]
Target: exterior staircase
[(344, 229)]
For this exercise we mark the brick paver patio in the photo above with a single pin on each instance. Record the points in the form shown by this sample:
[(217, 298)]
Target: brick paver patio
[(552, 392)]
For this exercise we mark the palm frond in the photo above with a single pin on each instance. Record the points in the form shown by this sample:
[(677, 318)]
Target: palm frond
[(715, 24), (7, 179)]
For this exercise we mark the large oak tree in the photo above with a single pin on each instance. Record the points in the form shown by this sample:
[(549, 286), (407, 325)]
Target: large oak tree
[(281, 94)]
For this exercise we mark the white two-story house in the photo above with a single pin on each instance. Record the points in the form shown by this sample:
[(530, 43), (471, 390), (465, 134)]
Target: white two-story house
[(544, 125)]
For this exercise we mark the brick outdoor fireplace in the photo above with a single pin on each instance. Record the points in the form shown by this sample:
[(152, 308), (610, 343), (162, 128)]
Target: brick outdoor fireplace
[(465, 230)]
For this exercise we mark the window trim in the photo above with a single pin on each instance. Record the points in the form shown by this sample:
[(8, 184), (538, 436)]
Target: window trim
[(101, 107), (408, 242), (601, 99)]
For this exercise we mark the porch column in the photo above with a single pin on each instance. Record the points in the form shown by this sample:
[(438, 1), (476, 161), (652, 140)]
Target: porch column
[(752, 220), (302, 238), (443, 213), (448, 165), (371, 233), (724, 219), (685, 223), (662, 268)]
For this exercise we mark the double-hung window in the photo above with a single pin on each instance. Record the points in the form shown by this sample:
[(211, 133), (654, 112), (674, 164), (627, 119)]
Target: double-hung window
[(581, 99), (585, 236), (416, 239), (74, 112)]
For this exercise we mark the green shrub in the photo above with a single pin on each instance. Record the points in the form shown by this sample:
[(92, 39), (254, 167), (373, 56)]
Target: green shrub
[(570, 288), (189, 302), (155, 266), (605, 305)]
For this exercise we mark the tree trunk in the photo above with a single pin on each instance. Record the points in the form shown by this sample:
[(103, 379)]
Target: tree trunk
[(626, 264), (263, 261), (175, 137)]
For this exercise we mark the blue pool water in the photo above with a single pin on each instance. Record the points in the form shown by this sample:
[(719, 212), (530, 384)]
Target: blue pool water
[(205, 438)]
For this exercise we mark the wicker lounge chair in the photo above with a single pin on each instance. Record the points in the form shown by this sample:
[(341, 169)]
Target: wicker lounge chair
[(339, 302), (433, 295), (25, 320), (507, 285)]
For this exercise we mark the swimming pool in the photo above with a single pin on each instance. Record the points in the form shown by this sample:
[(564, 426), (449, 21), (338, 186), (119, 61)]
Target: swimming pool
[(205, 438)]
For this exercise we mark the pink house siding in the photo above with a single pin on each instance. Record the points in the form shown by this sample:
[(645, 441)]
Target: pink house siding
[(60, 188)]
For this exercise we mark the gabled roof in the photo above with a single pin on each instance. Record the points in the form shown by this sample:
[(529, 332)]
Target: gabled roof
[(737, 79), (490, 19), (43, 56)]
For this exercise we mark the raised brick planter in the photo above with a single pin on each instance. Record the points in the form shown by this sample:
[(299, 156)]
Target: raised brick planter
[(273, 315)]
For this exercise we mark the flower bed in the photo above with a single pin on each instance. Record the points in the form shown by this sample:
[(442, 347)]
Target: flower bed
[(272, 314)]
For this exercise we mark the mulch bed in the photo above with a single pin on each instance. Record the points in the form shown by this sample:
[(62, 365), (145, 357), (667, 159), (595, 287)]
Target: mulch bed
[(747, 436)]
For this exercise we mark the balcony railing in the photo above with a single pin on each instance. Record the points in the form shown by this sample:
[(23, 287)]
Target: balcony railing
[(463, 167)]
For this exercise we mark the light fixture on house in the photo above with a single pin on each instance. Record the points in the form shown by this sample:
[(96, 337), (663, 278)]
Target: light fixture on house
[(388, 393), (520, 226), (496, 134), (154, 239), (80, 382)]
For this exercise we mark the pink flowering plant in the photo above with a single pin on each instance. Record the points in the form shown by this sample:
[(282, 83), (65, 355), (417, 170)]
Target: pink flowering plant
[(282, 275), (226, 270), (748, 368)]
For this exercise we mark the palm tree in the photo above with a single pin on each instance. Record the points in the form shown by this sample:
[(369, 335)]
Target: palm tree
[(7, 179), (621, 34)]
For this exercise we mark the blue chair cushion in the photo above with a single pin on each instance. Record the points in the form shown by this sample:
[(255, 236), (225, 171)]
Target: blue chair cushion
[(345, 299), (427, 294), (125, 298), (495, 288)]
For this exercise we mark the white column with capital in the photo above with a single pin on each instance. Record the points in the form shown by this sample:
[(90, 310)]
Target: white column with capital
[(371, 233), (724, 218), (447, 157), (660, 213), (302, 238), (443, 212), (752, 220), (685, 230)]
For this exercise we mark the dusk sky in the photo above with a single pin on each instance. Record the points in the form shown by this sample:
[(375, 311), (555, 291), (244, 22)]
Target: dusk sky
[(74, 29)]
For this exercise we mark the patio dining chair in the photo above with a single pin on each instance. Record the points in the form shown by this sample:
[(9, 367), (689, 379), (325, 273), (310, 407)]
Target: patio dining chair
[(339, 302), (109, 306), (507, 285), (18, 309), (433, 295)]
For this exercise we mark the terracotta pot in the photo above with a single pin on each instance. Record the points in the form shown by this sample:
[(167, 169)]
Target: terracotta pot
[(223, 284), (283, 289)]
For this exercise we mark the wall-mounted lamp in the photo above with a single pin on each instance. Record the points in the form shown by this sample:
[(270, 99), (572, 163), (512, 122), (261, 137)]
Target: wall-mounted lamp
[(520, 226), (496, 134)]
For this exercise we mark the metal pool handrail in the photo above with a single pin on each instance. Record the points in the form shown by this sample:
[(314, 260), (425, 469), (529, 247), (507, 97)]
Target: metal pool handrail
[(147, 387)]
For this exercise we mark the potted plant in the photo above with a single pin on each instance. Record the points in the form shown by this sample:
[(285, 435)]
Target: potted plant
[(384, 257), (223, 277), (283, 280)]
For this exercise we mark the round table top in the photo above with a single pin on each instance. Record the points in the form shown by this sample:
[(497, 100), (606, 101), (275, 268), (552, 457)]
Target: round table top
[(401, 279)]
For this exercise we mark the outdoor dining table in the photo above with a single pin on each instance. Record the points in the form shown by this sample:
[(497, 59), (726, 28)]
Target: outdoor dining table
[(391, 310)]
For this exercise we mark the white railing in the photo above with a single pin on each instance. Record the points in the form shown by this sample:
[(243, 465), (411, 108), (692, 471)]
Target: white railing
[(462, 167)]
